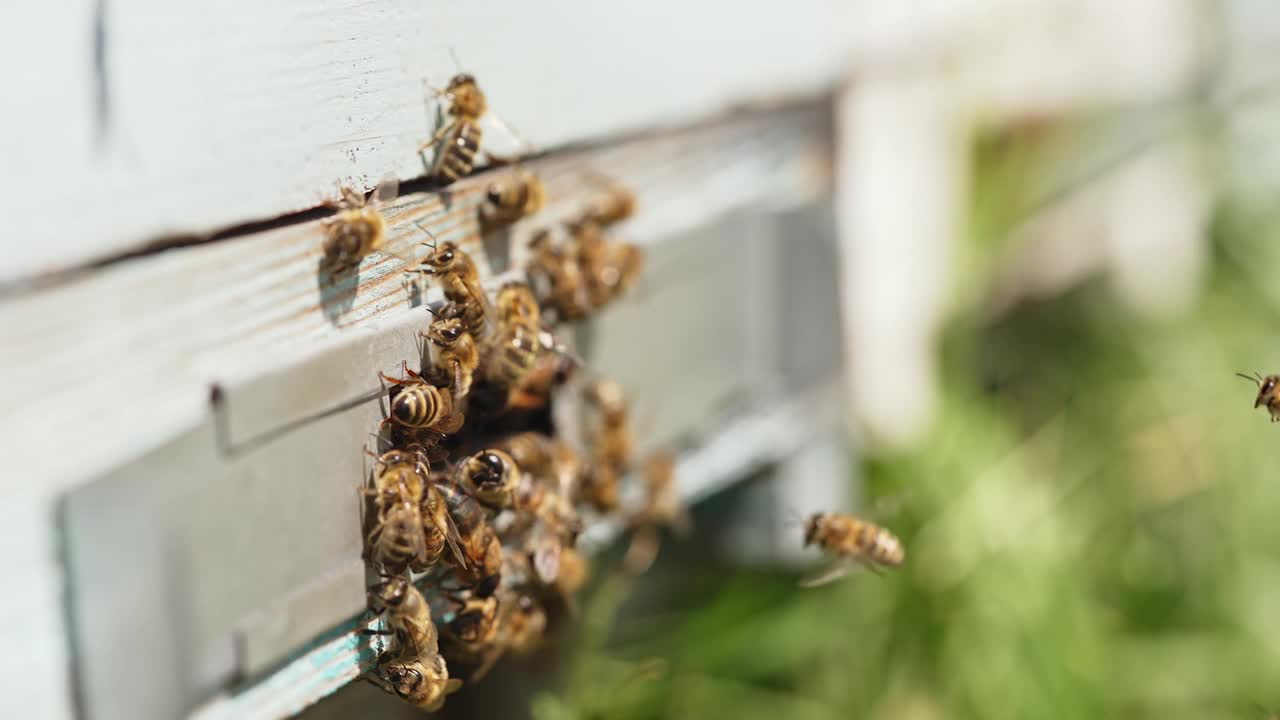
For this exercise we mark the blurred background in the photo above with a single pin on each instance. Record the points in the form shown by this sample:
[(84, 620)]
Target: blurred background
[(1060, 221), (1053, 224)]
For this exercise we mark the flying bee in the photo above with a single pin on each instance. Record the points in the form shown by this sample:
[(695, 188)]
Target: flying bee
[(419, 405), (490, 476), (850, 540), (573, 573), (456, 355), (1268, 393), (560, 275), (423, 683), (460, 282), (408, 615), (610, 441), (527, 363), (357, 228), (662, 508), (459, 138), (519, 195)]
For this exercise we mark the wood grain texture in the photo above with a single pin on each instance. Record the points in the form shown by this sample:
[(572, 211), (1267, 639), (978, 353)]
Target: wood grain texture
[(154, 119), (108, 367)]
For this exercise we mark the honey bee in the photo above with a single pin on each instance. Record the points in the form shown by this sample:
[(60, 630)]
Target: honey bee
[(573, 574), (617, 205), (1268, 393), (525, 626), (481, 548), (460, 282), (662, 508), (456, 355), (475, 623), (610, 443), (851, 541), (423, 683), (490, 476), (516, 305), (398, 539), (407, 614), (519, 195), (560, 274), (609, 268), (419, 405), (460, 137), (357, 228)]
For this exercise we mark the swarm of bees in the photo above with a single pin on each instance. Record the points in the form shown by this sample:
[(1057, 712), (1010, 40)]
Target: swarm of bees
[(474, 503)]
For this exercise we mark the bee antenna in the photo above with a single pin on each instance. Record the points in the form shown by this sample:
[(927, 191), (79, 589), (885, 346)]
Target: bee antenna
[(456, 64), (1255, 380), (434, 314), (430, 234)]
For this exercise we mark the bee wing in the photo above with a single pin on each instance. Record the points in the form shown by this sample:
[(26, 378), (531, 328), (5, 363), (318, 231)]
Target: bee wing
[(450, 533), (831, 574), (387, 189)]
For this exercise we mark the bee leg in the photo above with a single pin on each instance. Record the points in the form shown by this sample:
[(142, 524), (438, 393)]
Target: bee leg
[(410, 373), (396, 381), (439, 136)]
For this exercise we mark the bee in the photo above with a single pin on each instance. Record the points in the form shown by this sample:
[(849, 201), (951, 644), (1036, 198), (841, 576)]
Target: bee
[(573, 574), (561, 277), (851, 541), (423, 683), (527, 363), (610, 445), (525, 626), (460, 282), (617, 205), (662, 508), (1268, 393), (357, 228), (490, 476), (408, 615), (608, 268), (419, 405), (456, 355), (460, 137), (481, 548), (519, 195), (516, 305), (475, 623)]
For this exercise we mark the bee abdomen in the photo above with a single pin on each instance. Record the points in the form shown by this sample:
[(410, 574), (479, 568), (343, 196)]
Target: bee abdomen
[(419, 406), (458, 156)]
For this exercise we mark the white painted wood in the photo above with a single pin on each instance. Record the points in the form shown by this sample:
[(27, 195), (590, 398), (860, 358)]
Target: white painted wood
[(218, 114), (107, 367)]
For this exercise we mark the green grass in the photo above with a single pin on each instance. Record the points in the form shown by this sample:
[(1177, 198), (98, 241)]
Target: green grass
[(1093, 531)]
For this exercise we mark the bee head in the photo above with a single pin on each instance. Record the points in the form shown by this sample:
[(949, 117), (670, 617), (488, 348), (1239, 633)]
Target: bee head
[(489, 468), (465, 96), (1266, 388), (811, 528), (445, 332), (441, 259)]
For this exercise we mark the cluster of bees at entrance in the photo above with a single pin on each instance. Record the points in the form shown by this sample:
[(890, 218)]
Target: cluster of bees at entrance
[(471, 492)]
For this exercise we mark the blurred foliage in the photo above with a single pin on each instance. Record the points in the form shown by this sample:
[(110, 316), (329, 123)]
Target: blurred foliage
[(1091, 531)]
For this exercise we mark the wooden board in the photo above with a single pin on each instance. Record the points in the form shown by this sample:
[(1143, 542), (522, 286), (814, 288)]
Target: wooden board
[(160, 120), (111, 368)]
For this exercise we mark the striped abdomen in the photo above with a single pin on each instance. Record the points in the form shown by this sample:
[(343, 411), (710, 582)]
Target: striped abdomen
[(421, 406), (879, 545), (398, 541), (458, 154)]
